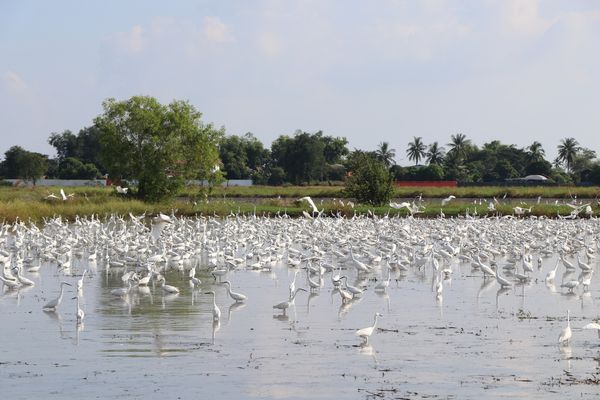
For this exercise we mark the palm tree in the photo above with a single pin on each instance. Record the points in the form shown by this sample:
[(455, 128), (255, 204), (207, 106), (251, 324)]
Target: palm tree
[(435, 154), (385, 154), (416, 149), (536, 152), (567, 150), (459, 145)]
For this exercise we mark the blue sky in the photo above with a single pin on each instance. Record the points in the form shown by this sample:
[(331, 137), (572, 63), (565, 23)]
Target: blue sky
[(372, 71)]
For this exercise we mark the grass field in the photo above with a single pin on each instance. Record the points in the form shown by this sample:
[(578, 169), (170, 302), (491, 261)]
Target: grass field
[(30, 204), (408, 192)]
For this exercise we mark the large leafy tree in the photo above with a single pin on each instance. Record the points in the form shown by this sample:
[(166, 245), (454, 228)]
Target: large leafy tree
[(435, 154), (256, 154), (567, 150), (84, 147), (305, 157), (336, 148), (385, 154), (416, 149), (234, 158), (370, 181), (22, 164), (65, 144), (159, 146), (242, 155)]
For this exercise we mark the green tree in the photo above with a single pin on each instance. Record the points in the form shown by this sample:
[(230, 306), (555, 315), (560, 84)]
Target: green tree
[(256, 154), (370, 181), (242, 156), (567, 150), (459, 146), (88, 146), (535, 152), (385, 154), (22, 164), (416, 149), (301, 157), (65, 144), (159, 146), (582, 163), (232, 152), (335, 149), (72, 168), (85, 146), (435, 154)]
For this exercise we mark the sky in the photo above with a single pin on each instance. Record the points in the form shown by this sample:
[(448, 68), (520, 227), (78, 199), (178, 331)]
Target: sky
[(372, 71)]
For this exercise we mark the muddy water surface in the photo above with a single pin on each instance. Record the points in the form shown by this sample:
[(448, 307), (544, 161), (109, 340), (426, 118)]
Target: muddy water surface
[(475, 342)]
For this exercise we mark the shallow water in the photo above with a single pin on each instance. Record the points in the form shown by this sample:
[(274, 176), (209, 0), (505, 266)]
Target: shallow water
[(477, 341)]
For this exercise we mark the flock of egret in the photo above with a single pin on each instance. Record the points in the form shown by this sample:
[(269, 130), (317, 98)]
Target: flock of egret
[(368, 249)]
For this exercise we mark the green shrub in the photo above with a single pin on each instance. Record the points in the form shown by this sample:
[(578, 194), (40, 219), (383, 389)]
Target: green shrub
[(370, 182)]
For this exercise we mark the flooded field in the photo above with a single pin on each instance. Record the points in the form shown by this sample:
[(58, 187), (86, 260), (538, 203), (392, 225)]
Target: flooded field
[(447, 331)]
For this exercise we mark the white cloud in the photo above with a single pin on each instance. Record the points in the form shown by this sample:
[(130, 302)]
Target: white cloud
[(523, 17), (216, 30), (13, 81), (270, 43), (132, 42)]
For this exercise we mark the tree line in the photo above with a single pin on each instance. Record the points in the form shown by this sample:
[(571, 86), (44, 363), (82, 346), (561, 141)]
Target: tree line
[(161, 146)]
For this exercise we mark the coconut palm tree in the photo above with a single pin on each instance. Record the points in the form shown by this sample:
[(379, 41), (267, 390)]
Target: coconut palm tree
[(459, 145), (567, 150), (416, 149), (435, 153), (385, 154), (535, 151)]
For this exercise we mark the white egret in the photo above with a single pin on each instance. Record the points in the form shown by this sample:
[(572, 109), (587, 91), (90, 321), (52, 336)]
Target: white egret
[(584, 267), (310, 201), (292, 286), (167, 288), (80, 281), (238, 297), (10, 284), (504, 283), (23, 280), (122, 292), (570, 285), (383, 285), (79, 314), (365, 333), (565, 334), (145, 280), (439, 288), (216, 311), (552, 273), (53, 304), (284, 305), (356, 292), (593, 325), (447, 200)]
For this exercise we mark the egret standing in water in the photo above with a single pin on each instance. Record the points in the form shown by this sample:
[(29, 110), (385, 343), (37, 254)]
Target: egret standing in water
[(79, 314), (284, 305), (216, 311), (365, 333), (80, 282), (565, 334), (238, 297), (53, 304), (593, 325)]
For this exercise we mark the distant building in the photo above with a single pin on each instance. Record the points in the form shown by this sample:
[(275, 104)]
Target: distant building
[(530, 179)]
